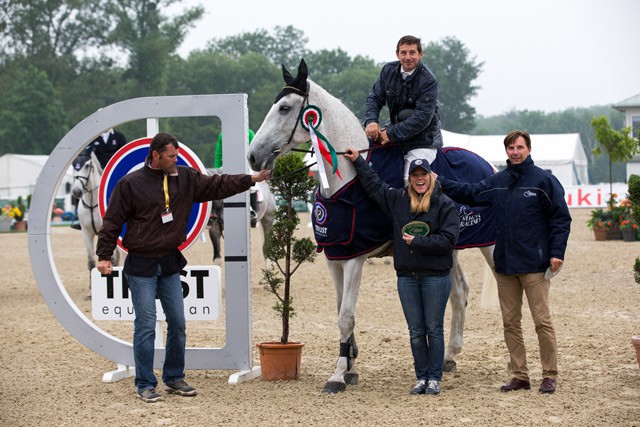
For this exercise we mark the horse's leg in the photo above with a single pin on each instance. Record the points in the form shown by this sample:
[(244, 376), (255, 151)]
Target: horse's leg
[(265, 217), (214, 235), (458, 300), (346, 276), (489, 297), (87, 236)]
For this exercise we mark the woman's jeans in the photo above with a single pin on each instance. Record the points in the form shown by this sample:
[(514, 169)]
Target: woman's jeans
[(424, 300), (143, 297)]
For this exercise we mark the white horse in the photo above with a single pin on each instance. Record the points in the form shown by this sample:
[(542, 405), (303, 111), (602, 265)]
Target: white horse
[(86, 185), (279, 133), (264, 216)]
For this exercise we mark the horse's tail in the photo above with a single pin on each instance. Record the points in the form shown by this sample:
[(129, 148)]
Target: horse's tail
[(489, 297)]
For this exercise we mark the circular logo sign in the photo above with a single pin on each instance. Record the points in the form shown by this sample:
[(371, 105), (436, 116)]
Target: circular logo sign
[(320, 213), (416, 228), (131, 157)]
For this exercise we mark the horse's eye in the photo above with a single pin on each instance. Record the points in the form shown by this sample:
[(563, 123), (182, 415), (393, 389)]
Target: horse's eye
[(284, 109)]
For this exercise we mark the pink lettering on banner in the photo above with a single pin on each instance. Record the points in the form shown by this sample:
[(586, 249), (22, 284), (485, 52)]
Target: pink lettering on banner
[(583, 199), (593, 196)]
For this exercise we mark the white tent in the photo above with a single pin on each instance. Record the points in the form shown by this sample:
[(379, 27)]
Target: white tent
[(19, 173), (560, 154)]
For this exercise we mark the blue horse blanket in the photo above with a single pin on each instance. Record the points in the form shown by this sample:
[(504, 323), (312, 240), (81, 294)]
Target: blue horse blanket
[(349, 224), (477, 224)]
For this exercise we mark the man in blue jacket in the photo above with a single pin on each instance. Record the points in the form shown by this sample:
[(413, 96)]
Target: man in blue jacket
[(410, 91), (533, 224)]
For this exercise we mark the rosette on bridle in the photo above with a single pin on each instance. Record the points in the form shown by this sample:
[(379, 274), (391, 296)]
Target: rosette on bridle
[(310, 118)]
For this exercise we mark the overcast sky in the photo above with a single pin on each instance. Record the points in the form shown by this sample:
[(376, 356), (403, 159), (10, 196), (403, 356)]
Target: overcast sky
[(538, 55)]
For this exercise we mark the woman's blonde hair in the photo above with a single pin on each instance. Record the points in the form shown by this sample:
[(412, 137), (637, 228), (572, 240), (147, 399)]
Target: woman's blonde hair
[(421, 204)]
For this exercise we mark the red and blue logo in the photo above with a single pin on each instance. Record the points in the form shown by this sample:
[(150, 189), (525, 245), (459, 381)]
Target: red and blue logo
[(131, 157)]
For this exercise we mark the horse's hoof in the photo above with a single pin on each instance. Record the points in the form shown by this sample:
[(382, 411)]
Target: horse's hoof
[(333, 387), (351, 379), (450, 366)]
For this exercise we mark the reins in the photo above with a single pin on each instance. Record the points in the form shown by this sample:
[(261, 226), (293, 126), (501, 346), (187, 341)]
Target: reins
[(300, 150)]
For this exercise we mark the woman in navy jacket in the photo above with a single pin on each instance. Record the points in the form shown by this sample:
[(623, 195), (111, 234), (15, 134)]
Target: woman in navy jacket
[(422, 260), (533, 224)]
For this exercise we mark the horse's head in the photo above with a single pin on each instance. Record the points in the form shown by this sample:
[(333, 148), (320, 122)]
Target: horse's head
[(280, 131), (86, 175)]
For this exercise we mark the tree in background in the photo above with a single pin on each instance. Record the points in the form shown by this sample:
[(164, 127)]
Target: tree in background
[(205, 72), (619, 145), (30, 110), (50, 34), (348, 79), (455, 70), (149, 38), (285, 45)]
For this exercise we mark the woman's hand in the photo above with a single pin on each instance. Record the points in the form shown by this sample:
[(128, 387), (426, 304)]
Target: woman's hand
[(351, 154), (408, 238)]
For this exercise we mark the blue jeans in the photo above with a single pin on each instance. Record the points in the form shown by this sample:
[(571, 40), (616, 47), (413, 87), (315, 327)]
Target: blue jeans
[(424, 300), (143, 297)]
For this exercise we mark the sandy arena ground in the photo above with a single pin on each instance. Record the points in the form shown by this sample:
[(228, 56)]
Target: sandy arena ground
[(48, 378)]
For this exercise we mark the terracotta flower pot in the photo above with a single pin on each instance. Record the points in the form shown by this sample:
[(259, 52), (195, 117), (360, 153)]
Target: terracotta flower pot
[(280, 361), (20, 225), (635, 340)]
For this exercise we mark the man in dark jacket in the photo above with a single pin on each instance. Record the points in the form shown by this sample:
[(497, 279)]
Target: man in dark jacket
[(155, 202), (533, 224), (410, 91), (105, 146)]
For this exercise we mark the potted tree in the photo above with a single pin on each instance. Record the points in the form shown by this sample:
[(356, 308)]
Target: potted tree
[(290, 181), (620, 146)]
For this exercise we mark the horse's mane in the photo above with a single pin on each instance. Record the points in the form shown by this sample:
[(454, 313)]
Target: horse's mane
[(340, 119)]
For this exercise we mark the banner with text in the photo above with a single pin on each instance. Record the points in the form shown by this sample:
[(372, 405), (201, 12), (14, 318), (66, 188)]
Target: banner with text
[(594, 196), (201, 290)]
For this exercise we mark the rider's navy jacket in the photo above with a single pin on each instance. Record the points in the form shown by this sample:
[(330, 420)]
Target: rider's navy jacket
[(421, 129), (532, 217), (430, 255)]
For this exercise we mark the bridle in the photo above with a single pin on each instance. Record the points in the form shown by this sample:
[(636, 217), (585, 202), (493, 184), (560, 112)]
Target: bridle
[(305, 103), (84, 182)]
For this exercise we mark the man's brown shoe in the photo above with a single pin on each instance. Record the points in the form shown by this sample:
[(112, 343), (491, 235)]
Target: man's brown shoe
[(516, 384), (548, 386)]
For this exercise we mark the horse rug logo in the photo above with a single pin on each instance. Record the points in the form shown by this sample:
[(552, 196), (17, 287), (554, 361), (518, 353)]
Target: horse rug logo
[(530, 193), (468, 217), (320, 216)]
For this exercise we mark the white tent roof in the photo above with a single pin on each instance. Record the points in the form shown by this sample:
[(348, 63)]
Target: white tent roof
[(19, 173), (561, 154)]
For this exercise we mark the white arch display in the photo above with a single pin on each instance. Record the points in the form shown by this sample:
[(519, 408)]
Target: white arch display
[(232, 111)]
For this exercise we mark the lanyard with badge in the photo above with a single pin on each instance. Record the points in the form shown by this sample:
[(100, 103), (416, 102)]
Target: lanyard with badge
[(167, 216)]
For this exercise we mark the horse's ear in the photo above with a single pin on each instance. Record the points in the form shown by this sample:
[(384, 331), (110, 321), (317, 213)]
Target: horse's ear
[(297, 84), (96, 162), (288, 78), (303, 73)]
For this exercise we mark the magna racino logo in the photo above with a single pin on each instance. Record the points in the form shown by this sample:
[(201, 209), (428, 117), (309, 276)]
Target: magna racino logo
[(530, 193), (468, 218)]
